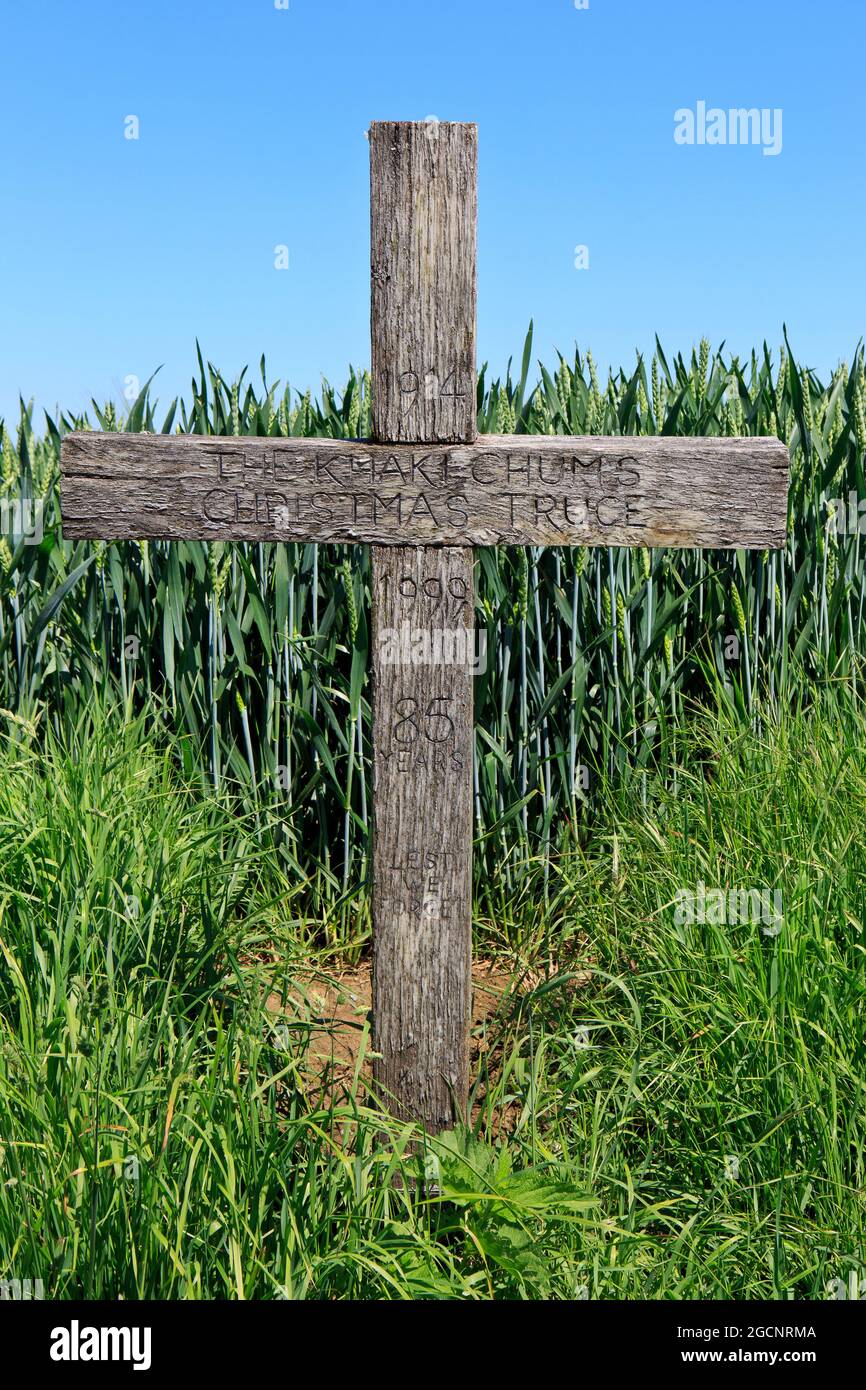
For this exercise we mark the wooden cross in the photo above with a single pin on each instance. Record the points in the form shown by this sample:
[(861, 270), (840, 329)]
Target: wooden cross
[(423, 492)]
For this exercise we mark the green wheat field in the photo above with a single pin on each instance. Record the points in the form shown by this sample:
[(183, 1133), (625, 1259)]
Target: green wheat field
[(661, 1109)]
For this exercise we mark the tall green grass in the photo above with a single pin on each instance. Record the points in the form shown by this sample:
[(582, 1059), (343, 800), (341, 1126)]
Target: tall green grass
[(257, 653), (161, 1135)]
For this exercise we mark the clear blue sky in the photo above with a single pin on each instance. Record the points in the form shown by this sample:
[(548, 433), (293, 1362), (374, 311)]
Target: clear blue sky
[(115, 254)]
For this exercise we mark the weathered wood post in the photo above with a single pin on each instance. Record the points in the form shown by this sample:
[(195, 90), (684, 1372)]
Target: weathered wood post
[(423, 209)]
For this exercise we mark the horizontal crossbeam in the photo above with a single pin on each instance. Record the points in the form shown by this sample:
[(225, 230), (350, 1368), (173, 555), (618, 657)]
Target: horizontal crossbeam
[(503, 489)]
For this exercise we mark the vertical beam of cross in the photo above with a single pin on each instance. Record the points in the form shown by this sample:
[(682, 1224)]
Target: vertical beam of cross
[(423, 204)]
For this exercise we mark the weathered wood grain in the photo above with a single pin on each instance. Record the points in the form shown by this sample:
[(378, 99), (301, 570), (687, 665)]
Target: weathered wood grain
[(514, 490), (423, 213), (422, 614)]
